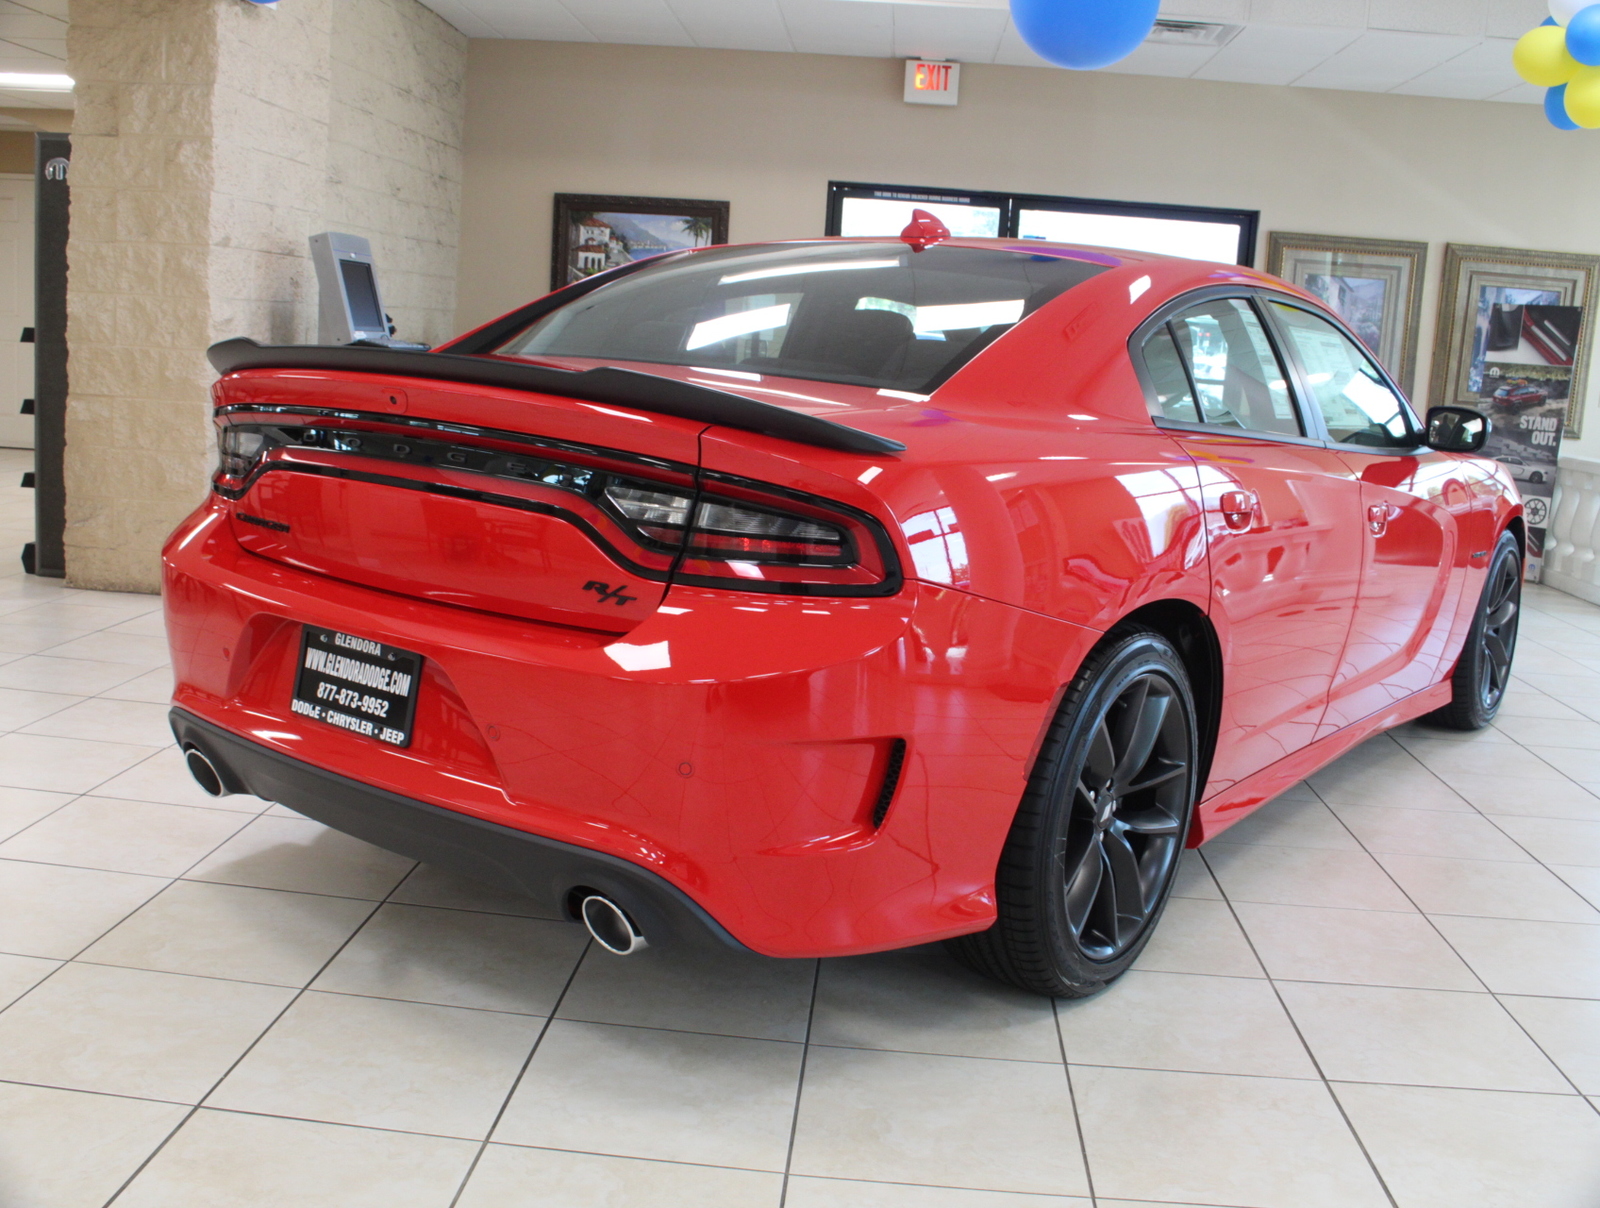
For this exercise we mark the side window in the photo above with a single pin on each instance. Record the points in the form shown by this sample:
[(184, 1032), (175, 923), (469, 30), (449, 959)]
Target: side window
[(1240, 381), (1174, 399), (1356, 403)]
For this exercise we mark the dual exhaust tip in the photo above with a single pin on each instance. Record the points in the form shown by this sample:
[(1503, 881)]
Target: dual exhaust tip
[(608, 924)]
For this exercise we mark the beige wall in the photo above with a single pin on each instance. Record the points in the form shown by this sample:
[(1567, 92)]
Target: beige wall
[(768, 131), (211, 139)]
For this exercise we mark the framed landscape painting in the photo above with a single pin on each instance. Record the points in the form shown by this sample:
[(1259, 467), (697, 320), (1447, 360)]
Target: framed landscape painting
[(596, 232), (1374, 285), (1514, 321)]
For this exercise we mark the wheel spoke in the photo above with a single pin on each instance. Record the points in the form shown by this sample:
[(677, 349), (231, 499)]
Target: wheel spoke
[(1151, 823), (1083, 886), (1126, 896), (1499, 660), (1101, 762), (1172, 772), (1502, 613), (1140, 728)]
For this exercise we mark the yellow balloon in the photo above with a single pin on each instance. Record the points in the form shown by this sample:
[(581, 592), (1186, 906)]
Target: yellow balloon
[(1541, 57), (1583, 98)]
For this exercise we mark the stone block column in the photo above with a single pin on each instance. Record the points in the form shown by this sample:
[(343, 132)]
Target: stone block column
[(202, 162)]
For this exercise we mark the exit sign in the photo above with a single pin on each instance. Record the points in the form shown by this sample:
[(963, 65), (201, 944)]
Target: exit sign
[(932, 83)]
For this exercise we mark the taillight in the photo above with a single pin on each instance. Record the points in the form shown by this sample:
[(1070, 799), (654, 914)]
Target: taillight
[(731, 532)]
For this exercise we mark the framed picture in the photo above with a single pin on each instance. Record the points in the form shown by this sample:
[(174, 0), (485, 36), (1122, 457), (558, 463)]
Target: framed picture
[(1514, 317), (594, 233), (1374, 285)]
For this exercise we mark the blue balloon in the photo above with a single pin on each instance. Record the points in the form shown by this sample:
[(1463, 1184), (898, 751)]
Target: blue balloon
[(1085, 34), (1555, 108), (1583, 36)]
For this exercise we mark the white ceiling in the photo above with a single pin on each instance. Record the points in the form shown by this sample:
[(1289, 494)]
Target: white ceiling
[(33, 38), (1446, 48)]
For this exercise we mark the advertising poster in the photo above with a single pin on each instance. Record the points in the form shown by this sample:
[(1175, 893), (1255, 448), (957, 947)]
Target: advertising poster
[(1522, 372)]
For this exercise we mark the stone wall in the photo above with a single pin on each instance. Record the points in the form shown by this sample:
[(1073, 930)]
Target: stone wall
[(394, 153), (212, 138), (138, 306)]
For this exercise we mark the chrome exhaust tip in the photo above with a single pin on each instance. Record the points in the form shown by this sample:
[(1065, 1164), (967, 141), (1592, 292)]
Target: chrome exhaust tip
[(610, 926), (204, 772)]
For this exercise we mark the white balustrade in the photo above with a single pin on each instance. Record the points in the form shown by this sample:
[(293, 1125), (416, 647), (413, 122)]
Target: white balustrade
[(1572, 542)]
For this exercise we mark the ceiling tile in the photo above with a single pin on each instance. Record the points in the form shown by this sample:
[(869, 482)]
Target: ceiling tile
[(1158, 60), (1014, 52), (18, 57), (968, 34), (21, 25), (54, 48), (1513, 18), (1270, 54), (1430, 16), (631, 22), (50, 8), (840, 27), (460, 15), (1206, 10), (733, 24), (1477, 74), (1352, 13), (1522, 94), (1381, 60), (540, 19)]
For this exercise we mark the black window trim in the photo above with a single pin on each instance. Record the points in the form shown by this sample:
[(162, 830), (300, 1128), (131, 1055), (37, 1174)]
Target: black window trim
[(1310, 414), (1310, 419), (1303, 388)]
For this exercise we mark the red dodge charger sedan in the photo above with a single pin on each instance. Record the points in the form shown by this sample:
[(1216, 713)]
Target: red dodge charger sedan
[(836, 596)]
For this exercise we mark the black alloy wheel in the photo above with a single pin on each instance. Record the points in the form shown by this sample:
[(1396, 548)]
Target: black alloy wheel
[(1483, 672), (1095, 846)]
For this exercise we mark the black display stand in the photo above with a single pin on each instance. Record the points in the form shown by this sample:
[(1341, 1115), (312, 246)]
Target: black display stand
[(45, 554)]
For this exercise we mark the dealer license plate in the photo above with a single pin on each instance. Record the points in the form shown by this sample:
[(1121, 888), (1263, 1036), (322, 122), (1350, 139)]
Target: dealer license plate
[(357, 684)]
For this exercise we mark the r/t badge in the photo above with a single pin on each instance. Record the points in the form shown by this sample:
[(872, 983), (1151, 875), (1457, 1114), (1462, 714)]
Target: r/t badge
[(606, 592)]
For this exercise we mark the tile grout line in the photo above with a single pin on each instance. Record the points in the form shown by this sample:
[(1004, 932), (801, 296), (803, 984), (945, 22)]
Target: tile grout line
[(1072, 1098), (522, 1072), (1294, 1023), (1466, 964), (800, 1085), (250, 1048)]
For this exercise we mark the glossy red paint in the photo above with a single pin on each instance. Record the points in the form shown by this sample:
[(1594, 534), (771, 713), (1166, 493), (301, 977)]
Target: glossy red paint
[(734, 740)]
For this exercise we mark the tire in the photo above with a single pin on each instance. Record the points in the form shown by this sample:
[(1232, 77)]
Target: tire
[(1089, 864), (1478, 684)]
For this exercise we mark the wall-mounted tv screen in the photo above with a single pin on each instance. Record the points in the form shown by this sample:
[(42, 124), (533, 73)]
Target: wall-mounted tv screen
[(1196, 232)]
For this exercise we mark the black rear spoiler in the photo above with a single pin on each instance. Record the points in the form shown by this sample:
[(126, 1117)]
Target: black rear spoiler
[(619, 387)]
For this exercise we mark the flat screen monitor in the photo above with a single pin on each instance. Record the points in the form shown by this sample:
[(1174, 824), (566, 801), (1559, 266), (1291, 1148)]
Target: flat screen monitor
[(361, 291), (1196, 240), (1195, 232), (868, 211)]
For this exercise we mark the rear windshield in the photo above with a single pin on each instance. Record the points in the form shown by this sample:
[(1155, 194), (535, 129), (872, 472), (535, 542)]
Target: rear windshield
[(867, 314)]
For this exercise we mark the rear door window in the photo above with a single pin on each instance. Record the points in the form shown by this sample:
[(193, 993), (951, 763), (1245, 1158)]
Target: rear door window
[(1237, 375)]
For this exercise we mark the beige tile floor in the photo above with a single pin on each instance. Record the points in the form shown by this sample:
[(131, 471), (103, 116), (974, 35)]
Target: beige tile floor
[(1382, 989)]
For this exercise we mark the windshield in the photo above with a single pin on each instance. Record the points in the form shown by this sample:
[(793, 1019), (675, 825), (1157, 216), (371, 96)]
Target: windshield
[(868, 314)]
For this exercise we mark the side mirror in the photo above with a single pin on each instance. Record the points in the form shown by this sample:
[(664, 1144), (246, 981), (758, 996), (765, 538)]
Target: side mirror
[(1457, 429)]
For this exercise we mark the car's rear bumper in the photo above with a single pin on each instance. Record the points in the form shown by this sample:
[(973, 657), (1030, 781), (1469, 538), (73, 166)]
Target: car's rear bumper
[(736, 746), (542, 869)]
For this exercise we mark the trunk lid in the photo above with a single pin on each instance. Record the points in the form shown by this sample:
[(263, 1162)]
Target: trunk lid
[(484, 498)]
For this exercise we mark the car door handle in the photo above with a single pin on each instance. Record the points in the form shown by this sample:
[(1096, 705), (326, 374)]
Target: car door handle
[(1378, 519), (1238, 508)]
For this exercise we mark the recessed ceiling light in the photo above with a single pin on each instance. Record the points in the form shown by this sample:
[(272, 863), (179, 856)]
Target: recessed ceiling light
[(35, 81)]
